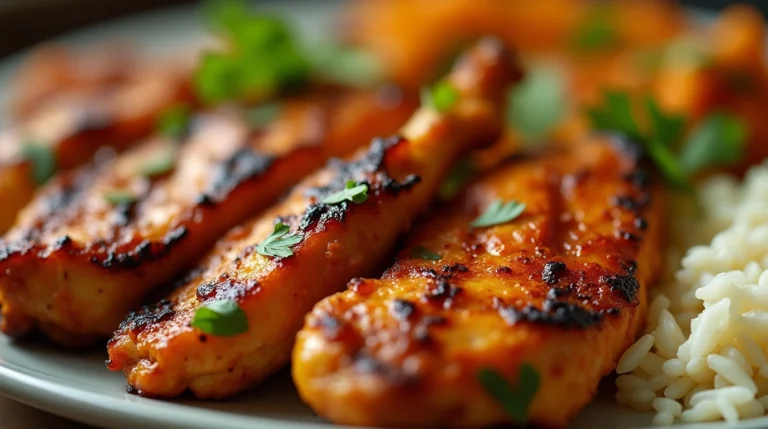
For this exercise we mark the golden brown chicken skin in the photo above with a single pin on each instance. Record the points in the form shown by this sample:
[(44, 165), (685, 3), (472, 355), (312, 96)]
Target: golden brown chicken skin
[(561, 288), (81, 255), (162, 355), (70, 127)]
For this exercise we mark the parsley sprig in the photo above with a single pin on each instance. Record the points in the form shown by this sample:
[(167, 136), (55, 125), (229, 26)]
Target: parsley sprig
[(536, 105), (498, 212), (422, 252), (514, 400), (221, 318), (439, 97), (718, 140), (357, 193), (42, 159), (174, 122), (280, 243), (120, 196)]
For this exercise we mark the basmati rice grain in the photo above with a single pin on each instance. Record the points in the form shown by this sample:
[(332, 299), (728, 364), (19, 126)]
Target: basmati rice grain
[(735, 355), (641, 399), (698, 370), (750, 409), (660, 381), (752, 352), (674, 368), (663, 419), (679, 387), (729, 370), (632, 382), (652, 364), (763, 400), (713, 321), (635, 354), (696, 389), (684, 320), (660, 302), (667, 405), (763, 371), (721, 382), (727, 410), (734, 394), (705, 411)]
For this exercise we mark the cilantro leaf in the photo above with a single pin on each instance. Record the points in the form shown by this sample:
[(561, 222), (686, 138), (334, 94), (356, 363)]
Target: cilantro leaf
[(263, 58), (597, 32), (457, 177), (514, 400), (440, 97), (279, 243), (719, 140), (174, 122), (346, 65), (263, 115), (42, 158), (357, 193), (537, 104), (162, 162), (497, 213), (667, 129), (221, 318), (422, 252), (120, 196)]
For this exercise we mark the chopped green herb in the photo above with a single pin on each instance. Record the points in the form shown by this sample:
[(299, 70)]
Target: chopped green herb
[(346, 65), (688, 51), (514, 400), (422, 252), (719, 140), (497, 213), (174, 122), (440, 97), (42, 158), (457, 177), (263, 57), (161, 163), (597, 32), (222, 318), (538, 103), (280, 243), (357, 193), (120, 196), (263, 115)]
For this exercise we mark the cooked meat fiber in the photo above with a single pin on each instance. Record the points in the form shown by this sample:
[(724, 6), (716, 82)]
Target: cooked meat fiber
[(82, 254), (161, 355), (561, 288), (70, 127)]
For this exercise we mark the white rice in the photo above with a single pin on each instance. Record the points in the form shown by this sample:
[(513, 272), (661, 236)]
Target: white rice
[(704, 353)]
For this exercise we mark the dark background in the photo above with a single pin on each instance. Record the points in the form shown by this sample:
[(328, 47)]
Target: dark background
[(24, 22)]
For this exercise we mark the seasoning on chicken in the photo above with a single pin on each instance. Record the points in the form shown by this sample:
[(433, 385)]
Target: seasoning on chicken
[(525, 290), (233, 321)]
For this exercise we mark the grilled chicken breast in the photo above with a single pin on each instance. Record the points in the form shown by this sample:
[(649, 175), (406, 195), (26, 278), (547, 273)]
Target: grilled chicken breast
[(94, 242), (65, 130), (561, 288), (162, 355)]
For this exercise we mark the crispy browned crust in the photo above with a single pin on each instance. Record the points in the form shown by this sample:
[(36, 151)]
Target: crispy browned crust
[(115, 113), (561, 288), (74, 264), (162, 355)]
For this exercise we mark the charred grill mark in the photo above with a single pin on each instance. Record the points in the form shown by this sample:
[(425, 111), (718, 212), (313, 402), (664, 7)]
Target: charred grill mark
[(626, 284), (125, 213), (503, 270), (226, 287), (552, 312), (241, 166), (369, 170), (455, 268), (639, 178), (366, 364), (626, 235), (402, 309), (138, 321), (625, 145), (144, 252), (552, 272), (634, 205)]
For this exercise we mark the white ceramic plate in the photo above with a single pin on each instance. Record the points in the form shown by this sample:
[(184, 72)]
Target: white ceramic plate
[(79, 387)]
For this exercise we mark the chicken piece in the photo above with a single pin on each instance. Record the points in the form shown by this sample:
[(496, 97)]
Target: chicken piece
[(66, 130), (83, 253), (561, 288), (162, 355)]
